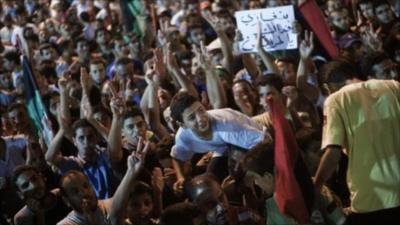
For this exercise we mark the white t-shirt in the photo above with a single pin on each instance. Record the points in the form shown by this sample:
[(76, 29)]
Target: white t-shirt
[(229, 127)]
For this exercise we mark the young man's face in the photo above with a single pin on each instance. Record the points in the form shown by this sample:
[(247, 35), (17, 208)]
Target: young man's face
[(384, 14), (340, 20), (134, 127), (79, 194), (19, 119), (367, 10), (97, 73), (48, 54), (30, 184), (243, 94), (164, 97), (288, 71), (332, 5), (85, 140), (124, 71), (268, 91), (82, 49), (121, 49), (195, 117), (197, 35), (140, 206)]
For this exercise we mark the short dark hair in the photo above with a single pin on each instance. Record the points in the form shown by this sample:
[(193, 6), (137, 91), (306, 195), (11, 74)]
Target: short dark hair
[(179, 103), (66, 175), (97, 60), (123, 61), (179, 214), (80, 124), (21, 169), (272, 79), (338, 71), (133, 112), (140, 188), (259, 159)]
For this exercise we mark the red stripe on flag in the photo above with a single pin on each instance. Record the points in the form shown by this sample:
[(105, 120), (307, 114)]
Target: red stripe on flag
[(315, 18), (288, 194)]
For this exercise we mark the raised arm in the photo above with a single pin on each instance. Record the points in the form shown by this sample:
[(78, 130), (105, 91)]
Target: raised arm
[(151, 107), (184, 82), (121, 196), (53, 154), (215, 89), (305, 49), (86, 107), (64, 97), (226, 44), (118, 108), (266, 57)]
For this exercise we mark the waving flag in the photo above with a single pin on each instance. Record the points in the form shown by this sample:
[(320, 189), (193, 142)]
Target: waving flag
[(293, 186), (316, 20), (36, 109)]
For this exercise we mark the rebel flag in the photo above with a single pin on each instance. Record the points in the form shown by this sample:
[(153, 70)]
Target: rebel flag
[(34, 103), (293, 186), (316, 20)]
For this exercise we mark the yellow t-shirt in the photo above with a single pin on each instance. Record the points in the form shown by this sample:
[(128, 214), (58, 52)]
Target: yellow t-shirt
[(364, 118)]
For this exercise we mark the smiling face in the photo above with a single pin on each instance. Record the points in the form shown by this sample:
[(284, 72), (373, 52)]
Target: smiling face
[(196, 118), (243, 95)]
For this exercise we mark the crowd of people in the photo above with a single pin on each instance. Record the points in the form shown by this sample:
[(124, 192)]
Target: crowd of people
[(158, 118)]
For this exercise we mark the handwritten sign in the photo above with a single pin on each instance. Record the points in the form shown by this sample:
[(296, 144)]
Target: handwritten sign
[(276, 28)]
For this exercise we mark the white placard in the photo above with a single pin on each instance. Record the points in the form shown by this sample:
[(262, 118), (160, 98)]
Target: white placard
[(276, 28)]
